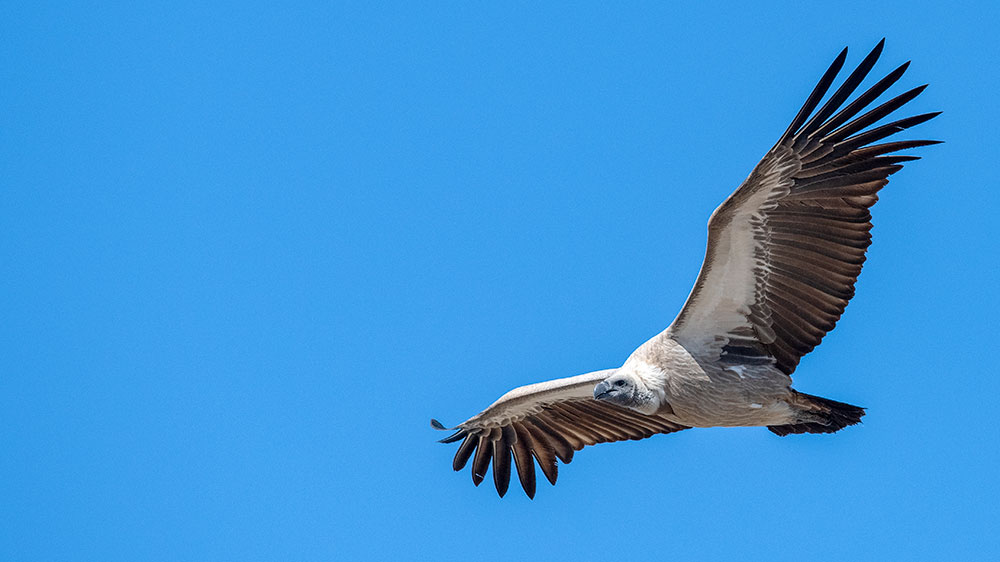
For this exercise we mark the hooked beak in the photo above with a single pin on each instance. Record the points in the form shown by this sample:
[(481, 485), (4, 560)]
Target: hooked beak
[(602, 390)]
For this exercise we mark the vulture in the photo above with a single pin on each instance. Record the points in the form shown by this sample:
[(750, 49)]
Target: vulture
[(784, 252)]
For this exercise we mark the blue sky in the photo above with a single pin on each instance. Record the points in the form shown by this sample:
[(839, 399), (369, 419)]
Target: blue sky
[(248, 251)]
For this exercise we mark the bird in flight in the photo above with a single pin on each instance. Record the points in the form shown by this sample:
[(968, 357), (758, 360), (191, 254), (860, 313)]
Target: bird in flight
[(784, 251)]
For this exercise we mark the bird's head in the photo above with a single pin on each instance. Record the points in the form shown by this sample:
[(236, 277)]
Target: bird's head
[(627, 389)]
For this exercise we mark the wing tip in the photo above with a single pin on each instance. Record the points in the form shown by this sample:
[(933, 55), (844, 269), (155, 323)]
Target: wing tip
[(459, 433), (815, 96)]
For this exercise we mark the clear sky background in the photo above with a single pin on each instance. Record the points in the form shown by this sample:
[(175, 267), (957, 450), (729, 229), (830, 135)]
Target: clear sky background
[(247, 251)]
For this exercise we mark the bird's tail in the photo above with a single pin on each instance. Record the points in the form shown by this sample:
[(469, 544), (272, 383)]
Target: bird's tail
[(819, 415)]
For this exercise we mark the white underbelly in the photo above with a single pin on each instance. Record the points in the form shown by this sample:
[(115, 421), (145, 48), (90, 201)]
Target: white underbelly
[(737, 396)]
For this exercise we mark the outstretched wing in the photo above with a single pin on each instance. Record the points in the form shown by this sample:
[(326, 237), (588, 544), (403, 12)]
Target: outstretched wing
[(785, 249), (545, 421)]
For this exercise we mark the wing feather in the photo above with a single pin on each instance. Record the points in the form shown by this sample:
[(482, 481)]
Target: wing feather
[(522, 459), (501, 462), (542, 450), (465, 451), (484, 452)]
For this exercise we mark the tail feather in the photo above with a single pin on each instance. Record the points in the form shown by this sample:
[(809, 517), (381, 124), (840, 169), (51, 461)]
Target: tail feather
[(820, 415)]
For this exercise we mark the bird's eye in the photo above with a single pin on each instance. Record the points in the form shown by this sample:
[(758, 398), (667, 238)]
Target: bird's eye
[(620, 382)]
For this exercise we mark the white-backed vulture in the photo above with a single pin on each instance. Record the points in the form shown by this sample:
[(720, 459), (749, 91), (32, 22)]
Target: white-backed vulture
[(784, 252)]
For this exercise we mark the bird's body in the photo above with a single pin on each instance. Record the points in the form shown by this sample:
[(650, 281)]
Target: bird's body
[(784, 251), (704, 394)]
